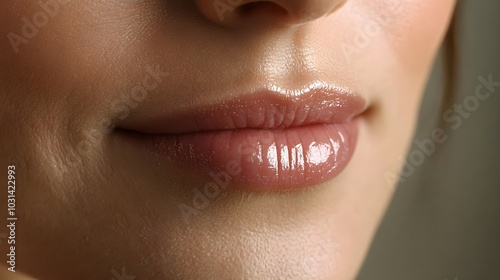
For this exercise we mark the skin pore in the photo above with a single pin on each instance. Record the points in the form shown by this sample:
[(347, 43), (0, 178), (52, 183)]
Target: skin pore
[(90, 202)]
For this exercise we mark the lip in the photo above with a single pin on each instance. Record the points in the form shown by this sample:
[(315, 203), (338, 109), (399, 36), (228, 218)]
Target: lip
[(267, 140)]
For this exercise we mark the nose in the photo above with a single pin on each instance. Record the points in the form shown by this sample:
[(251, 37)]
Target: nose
[(231, 13)]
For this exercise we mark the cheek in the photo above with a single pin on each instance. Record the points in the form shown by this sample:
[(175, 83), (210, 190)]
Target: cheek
[(394, 41), (406, 32), (419, 29), (406, 54)]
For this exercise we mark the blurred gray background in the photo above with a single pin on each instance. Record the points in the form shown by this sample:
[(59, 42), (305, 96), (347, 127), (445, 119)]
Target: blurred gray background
[(444, 221)]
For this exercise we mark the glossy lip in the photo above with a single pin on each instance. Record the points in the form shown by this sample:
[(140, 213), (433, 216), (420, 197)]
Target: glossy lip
[(270, 139)]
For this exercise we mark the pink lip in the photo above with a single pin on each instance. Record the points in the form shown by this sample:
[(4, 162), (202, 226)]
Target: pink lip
[(267, 140)]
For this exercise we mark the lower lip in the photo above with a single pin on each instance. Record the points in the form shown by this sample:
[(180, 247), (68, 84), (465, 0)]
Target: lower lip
[(262, 159)]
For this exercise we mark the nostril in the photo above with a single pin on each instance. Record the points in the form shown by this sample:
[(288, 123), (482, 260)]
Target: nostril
[(264, 14), (261, 8)]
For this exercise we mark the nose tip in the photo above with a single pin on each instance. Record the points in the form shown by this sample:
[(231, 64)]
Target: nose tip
[(231, 13)]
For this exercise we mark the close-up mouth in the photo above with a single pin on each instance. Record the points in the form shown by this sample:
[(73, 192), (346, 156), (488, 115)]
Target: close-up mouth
[(268, 139), (249, 139)]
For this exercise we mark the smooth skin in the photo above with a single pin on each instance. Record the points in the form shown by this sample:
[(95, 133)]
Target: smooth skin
[(89, 202)]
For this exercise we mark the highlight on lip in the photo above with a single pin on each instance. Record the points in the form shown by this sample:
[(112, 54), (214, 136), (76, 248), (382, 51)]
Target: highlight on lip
[(265, 159), (274, 139)]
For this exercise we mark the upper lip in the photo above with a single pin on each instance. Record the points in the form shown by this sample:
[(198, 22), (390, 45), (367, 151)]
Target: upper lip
[(270, 107)]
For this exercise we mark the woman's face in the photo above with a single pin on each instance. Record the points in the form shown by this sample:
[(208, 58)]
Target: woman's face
[(207, 139)]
